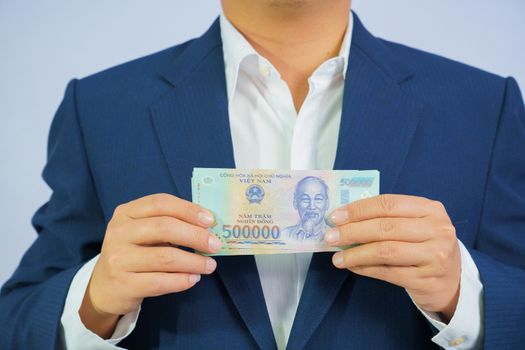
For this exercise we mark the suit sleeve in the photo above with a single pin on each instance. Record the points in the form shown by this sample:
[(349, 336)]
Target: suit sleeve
[(70, 228), (499, 251)]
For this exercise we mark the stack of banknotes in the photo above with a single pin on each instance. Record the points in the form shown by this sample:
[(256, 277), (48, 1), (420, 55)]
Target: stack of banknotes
[(261, 211)]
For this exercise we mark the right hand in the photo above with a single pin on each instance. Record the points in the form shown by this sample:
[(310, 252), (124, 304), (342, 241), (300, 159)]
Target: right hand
[(140, 257)]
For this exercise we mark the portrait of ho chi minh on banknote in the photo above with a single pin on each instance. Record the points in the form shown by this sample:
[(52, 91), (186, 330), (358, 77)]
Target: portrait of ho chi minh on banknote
[(311, 201)]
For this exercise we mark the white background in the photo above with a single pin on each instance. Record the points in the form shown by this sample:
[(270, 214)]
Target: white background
[(43, 44)]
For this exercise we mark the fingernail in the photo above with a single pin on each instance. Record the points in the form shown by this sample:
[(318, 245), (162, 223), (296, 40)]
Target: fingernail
[(337, 259), (339, 216), (205, 218), (195, 278), (214, 243), (331, 235), (211, 264)]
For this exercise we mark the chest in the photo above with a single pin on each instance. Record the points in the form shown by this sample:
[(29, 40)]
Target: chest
[(422, 153), (268, 132)]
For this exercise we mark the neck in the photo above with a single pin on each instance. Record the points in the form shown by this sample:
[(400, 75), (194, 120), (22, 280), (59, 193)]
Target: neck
[(296, 36)]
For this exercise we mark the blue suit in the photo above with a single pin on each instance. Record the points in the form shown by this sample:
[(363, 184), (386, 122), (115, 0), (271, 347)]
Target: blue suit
[(432, 127)]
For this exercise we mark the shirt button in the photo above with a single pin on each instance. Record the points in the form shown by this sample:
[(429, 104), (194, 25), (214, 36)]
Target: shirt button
[(457, 341), (264, 70)]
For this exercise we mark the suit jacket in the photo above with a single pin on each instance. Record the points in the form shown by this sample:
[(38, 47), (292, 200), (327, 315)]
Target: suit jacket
[(431, 126)]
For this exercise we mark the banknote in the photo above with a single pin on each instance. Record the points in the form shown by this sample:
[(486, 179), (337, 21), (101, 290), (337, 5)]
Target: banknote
[(259, 211)]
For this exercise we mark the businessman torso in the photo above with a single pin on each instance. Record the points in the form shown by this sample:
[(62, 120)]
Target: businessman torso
[(429, 125), (423, 138)]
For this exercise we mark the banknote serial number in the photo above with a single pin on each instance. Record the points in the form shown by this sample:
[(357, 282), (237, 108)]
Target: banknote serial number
[(357, 181), (251, 232)]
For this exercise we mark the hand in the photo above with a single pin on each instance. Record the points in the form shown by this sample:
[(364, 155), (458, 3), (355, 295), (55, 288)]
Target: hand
[(408, 241), (140, 257)]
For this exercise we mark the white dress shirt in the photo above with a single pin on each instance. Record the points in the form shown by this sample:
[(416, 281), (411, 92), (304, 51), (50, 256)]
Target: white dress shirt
[(267, 132)]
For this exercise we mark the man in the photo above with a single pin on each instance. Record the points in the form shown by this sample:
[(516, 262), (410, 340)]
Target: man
[(279, 84), (311, 202)]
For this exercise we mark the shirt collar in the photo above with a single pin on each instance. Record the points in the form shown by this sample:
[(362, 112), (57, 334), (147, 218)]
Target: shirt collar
[(236, 49)]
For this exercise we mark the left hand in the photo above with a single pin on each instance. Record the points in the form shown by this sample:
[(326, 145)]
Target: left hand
[(408, 241)]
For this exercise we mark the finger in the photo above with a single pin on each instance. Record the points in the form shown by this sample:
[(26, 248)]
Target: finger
[(165, 229), (384, 253), (152, 284), (386, 205), (403, 276), (380, 229), (166, 259), (162, 204)]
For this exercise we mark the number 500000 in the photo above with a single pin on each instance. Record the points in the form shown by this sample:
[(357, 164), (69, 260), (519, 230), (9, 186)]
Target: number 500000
[(251, 232)]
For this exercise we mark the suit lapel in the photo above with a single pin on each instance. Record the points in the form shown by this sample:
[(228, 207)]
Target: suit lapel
[(377, 126), (191, 120), (192, 126)]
